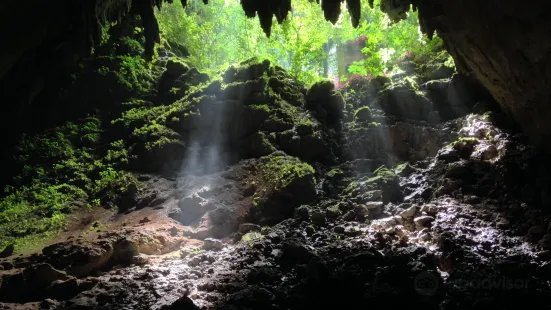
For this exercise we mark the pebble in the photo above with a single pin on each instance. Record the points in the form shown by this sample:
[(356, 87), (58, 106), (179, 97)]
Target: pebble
[(375, 195), (140, 259), (302, 213), (339, 229), (429, 209), (374, 204), (409, 213), (332, 213), (212, 244), (174, 231), (423, 220), (361, 211), (318, 218), (348, 216), (248, 227)]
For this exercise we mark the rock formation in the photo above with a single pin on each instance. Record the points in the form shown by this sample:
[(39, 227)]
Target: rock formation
[(504, 44)]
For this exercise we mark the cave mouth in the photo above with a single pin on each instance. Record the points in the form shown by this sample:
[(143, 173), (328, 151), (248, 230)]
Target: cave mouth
[(234, 154)]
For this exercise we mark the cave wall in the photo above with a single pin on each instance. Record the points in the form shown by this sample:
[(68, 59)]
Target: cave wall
[(507, 46)]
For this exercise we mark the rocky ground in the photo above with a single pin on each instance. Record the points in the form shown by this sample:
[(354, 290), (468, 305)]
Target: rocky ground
[(392, 194)]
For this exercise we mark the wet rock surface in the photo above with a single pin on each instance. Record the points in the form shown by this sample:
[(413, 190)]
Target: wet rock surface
[(392, 211)]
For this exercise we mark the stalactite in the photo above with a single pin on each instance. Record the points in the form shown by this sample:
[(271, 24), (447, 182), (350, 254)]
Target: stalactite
[(331, 10), (396, 9), (355, 10)]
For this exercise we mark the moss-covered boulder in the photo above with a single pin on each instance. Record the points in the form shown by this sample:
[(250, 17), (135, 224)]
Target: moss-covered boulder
[(405, 101), (307, 147), (363, 114), (284, 183), (250, 69), (178, 79), (286, 86), (176, 67), (464, 146), (281, 118), (245, 91), (325, 102), (256, 145), (382, 179)]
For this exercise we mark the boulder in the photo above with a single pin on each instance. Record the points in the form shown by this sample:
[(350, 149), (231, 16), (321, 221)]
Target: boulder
[(256, 145), (30, 284), (403, 102), (286, 183), (325, 102), (306, 147), (247, 70), (191, 209)]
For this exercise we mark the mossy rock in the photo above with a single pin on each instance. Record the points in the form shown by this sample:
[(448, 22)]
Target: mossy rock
[(288, 88), (285, 182), (363, 114), (382, 179), (335, 173), (306, 127), (307, 147), (243, 90), (402, 101), (405, 170), (281, 118), (256, 145), (176, 67), (325, 102), (465, 146), (247, 70)]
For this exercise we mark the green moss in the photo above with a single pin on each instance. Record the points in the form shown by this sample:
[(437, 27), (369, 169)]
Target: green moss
[(61, 170), (334, 173), (155, 126), (305, 127), (251, 237), (247, 70), (463, 142), (373, 125), (382, 179), (131, 71), (384, 172), (363, 114), (279, 170), (262, 108), (404, 169)]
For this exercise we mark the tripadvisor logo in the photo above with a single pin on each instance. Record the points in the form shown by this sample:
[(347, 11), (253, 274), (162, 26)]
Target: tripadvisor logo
[(427, 283)]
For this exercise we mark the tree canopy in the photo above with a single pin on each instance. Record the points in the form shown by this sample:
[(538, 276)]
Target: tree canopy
[(219, 34)]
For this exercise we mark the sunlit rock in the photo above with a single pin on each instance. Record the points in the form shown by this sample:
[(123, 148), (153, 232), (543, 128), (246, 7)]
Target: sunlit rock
[(424, 220)]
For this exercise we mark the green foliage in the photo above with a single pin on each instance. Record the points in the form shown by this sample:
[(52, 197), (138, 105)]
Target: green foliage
[(219, 34), (132, 71), (61, 170), (389, 43), (153, 126)]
